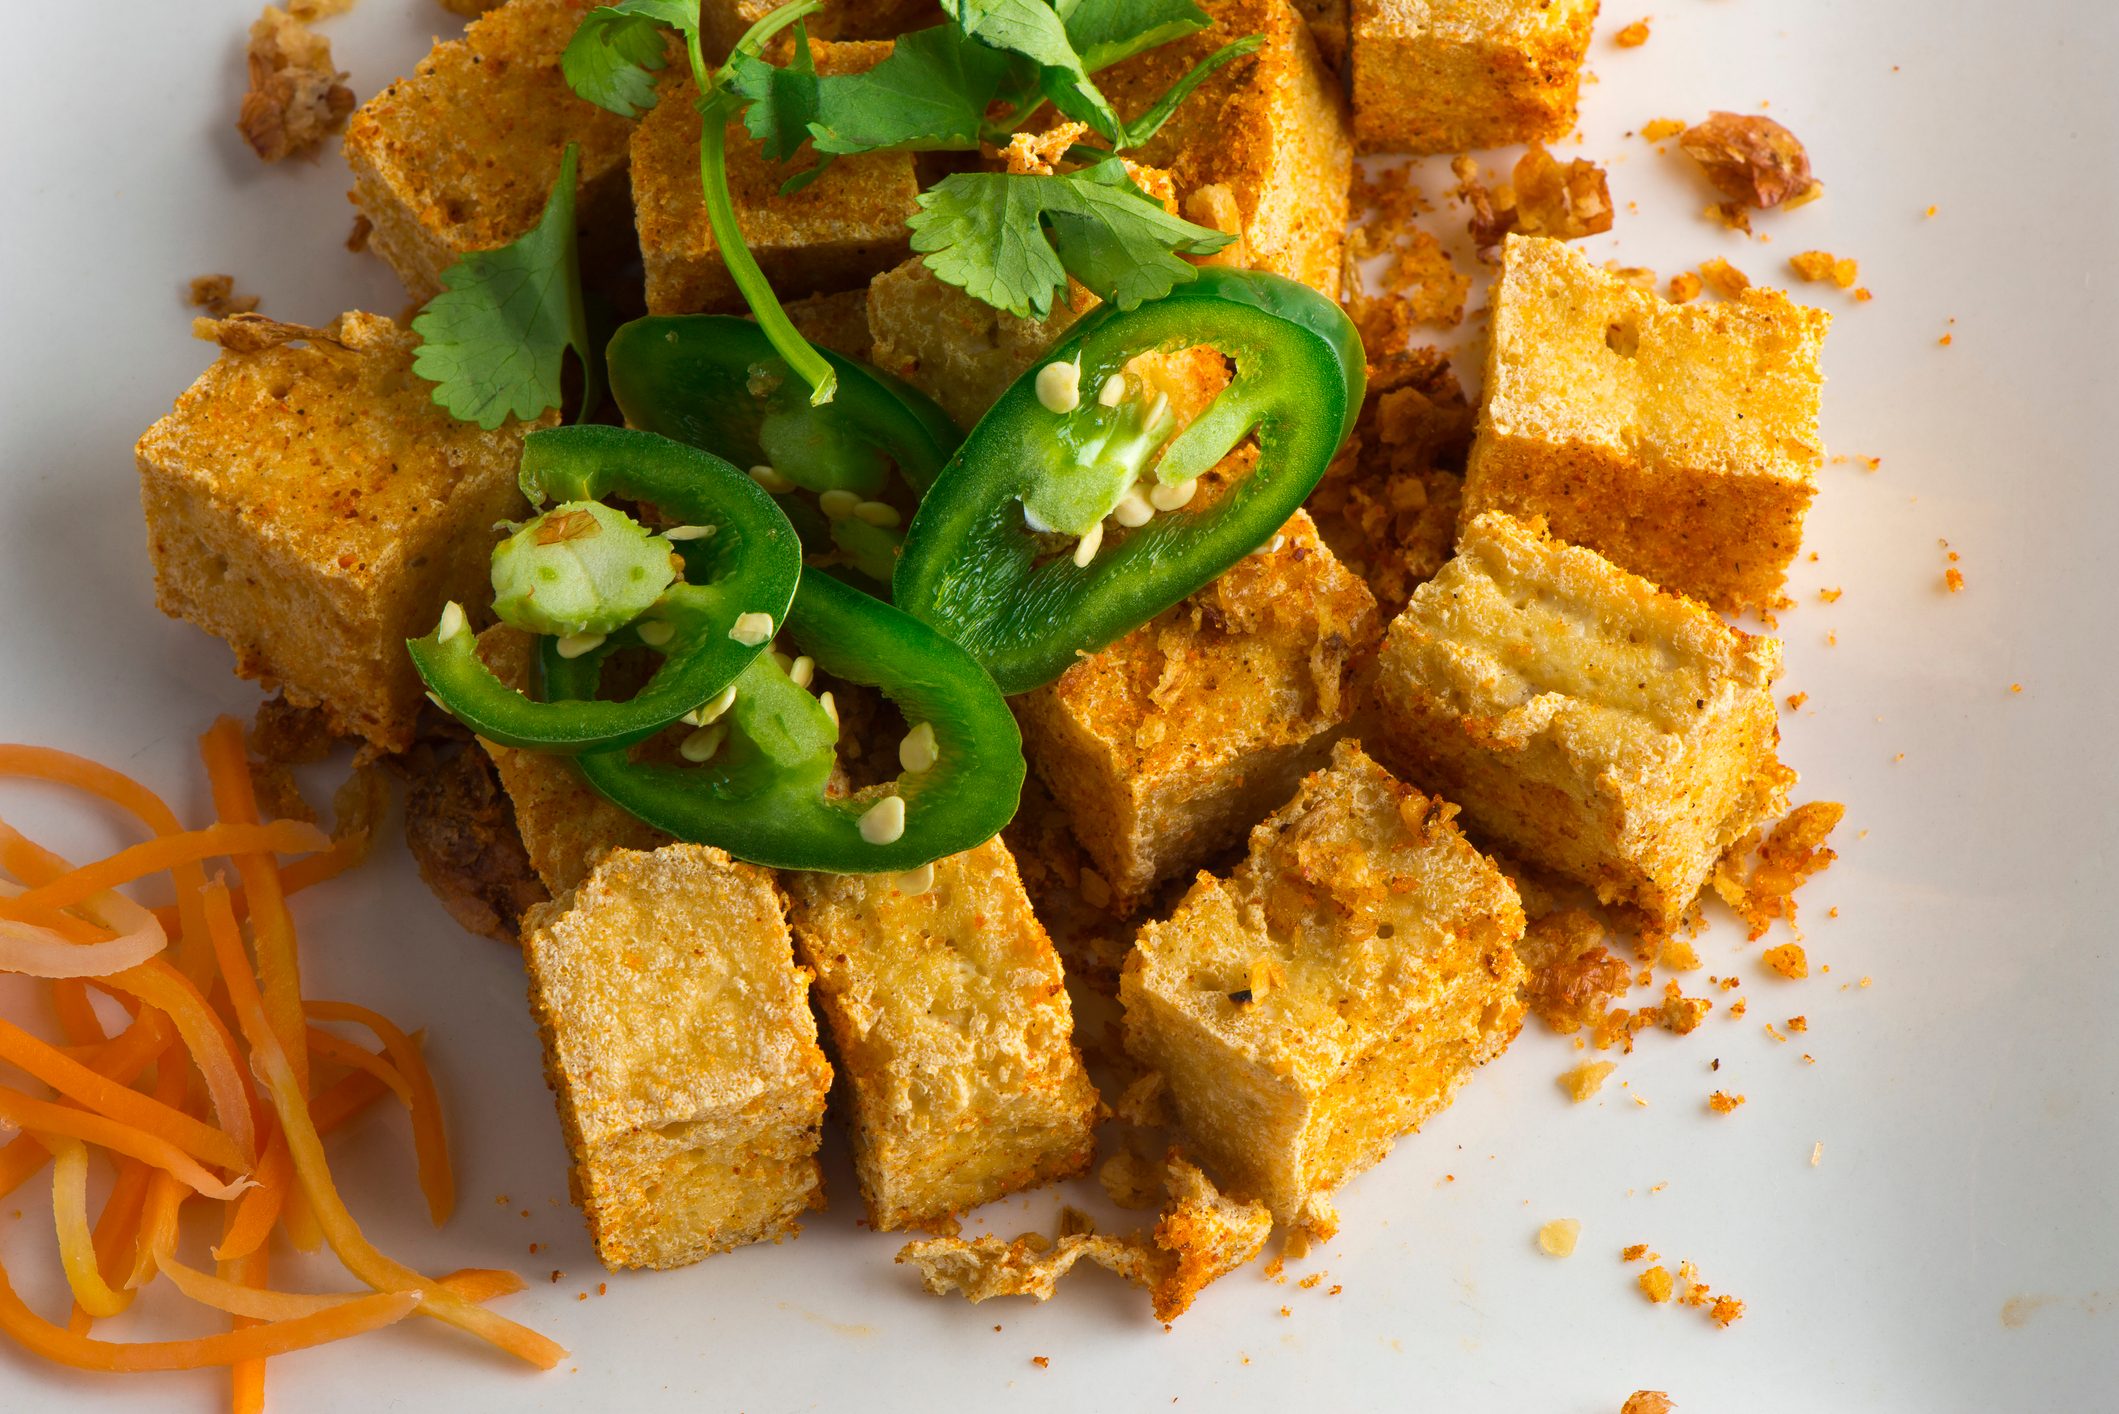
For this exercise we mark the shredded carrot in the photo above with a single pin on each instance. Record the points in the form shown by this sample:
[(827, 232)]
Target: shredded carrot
[(429, 1135), (206, 1037), (159, 855), (314, 1176), (271, 929), (352, 1318), (77, 1015), (336, 1049), (77, 1244), (121, 1061), (26, 1112), (261, 1304), (114, 1101)]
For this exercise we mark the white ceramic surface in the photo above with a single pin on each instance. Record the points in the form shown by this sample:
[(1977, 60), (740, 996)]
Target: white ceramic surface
[(1958, 1246)]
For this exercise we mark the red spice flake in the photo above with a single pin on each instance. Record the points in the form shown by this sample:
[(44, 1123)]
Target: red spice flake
[(1722, 1102), (1789, 960), (1633, 36), (1752, 160)]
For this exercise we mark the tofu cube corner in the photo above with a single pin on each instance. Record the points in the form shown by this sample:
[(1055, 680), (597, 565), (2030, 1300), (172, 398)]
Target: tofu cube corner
[(310, 505), (1165, 747), (1332, 992), (950, 1018), (462, 155), (680, 1047), (1449, 76), (834, 234), (1588, 722), (1679, 441)]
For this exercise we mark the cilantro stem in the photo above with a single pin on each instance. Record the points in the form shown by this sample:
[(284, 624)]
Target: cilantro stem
[(717, 108)]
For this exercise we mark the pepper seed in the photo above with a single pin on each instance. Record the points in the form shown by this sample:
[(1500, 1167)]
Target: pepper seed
[(656, 633), (884, 822), (914, 882), (751, 629), (838, 503), (1133, 511), (877, 513), (1090, 544), (1173, 498), (918, 751), (1113, 392), (802, 670), (452, 622), (1059, 387), (573, 645), (771, 480), (691, 532), (701, 745)]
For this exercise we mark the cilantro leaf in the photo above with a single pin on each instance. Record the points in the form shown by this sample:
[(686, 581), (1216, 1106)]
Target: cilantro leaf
[(1012, 240), (1033, 29), (614, 54), (783, 102), (1106, 32), (493, 341)]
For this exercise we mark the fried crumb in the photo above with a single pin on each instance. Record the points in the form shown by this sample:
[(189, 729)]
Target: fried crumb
[(1787, 858), (1723, 278), (1041, 1361), (1789, 960), (1737, 1009), (1862, 294), (1953, 579), (1751, 160), (1633, 1253), (1681, 1014), (1830, 596), (357, 238), (1633, 36), (1798, 1023), (1558, 1237), (1817, 1153), (1570, 976), (1585, 1080), (1419, 283), (1658, 129), (1545, 197), (216, 295), (1309, 1283), (1647, 1401), (1722, 1102), (1726, 1311), (1657, 1284), (1678, 955), (1036, 154), (1796, 700), (1685, 287), (296, 98), (1815, 266)]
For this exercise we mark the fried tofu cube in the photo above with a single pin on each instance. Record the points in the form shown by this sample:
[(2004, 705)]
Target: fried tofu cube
[(1332, 992), (960, 351), (1262, 149), (1588, 722), (312, 506), (679, 1044), (722, 22), (461, 156), (954, 1035), (1680, 442), (833, 234), (1329, 22), (838, 322), (567, 827), (1169, 744), (1447, 76)]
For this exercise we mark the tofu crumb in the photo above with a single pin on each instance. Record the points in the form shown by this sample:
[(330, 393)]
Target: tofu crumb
[(1786, 858), (1041, 1361), (1818, 266), (1585, 1080), (1796, 700), (1722, 1102), (1633, 36), (1723, 278), (1661, 129), (296, 98), (1657, 1285), (1558, 1237), (1634, 1252), (1684, 287), (216, 295), (1789, 960), (1647, 1401), (1751, 160), (1953, 579)]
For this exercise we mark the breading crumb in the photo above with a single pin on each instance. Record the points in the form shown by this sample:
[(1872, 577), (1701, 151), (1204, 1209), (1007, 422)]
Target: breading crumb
[(1684, 287), (1633, 1253), (1816, 266), (1647, 1401), (1751, 160), (1558, 1237), (296, 97), (1041, 1361), (1789, 960), (1722, 1102), (216, 295), (1796, 700), (1723, 278), (1633, 36), (1657, 1284), (1657, 129), (1585, 1080)]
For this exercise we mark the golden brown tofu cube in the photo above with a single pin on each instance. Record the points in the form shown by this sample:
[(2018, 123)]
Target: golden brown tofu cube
[(954, 1035), (680, 1046), (1329, 22), (1332, 992), (960, 351), (722, 22), (1169, 744), (1452, 75), (833, 234), (1680, 441), (312, 506), (462, 155), (1588, 722), (838, 322), (1261, 149), (567, 827)]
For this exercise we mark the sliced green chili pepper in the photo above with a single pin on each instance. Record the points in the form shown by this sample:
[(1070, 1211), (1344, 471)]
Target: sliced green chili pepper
[(716, 382), (1071, 442), (742, 562), (760, 793)]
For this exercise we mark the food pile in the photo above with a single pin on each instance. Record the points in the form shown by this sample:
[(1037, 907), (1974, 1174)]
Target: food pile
[(896, 527)]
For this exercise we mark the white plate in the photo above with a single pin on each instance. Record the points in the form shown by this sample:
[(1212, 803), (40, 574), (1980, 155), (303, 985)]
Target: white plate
[(1956, 1249)]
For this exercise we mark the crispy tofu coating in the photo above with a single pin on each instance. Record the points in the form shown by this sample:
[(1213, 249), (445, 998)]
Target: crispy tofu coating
[(1588, 722), (680, 1046), (307, 502), (296, 98), (1679, 441), (834, 234), (722, 22), (1264, 142), (566, 827), (954, 1035), (461, 155), (1333, 992), (1165, 747), (960, 351), (1200, 1237), (1441, 76)]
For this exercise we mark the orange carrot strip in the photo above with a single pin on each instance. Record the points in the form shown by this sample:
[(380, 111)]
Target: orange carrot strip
[(341, 1100), (40, 1337), (27, 1113), (119, 1061), (163, 1202), (77, 1016), (257, 1212), (206, 1038), (163, 853), (64, 768), (271, 928), (340, 1051), (246, 1378), (314, 1174), (260, 1304), (77, 1245), (36, 942), (119, 1102), (429, 1134)]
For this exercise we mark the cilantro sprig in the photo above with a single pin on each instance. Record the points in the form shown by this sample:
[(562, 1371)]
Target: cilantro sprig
[(493, 342)]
